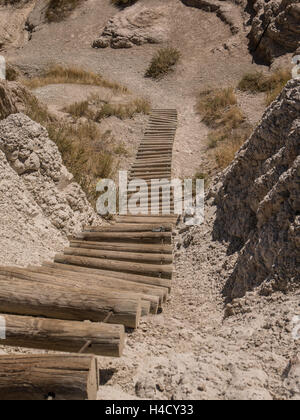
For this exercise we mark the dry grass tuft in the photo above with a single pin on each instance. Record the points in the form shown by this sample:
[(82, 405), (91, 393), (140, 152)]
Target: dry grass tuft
[(124, 111), (271, 84), (96, 110), (213, 103), (226, 150), (84, 149), (78, 109), (59, 74), (229, 128), (12, 73), (163, 62)]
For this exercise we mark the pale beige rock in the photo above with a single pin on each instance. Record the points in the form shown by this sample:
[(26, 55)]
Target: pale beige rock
[(275, 28), (135, 25), (36, 159), (258, 202)]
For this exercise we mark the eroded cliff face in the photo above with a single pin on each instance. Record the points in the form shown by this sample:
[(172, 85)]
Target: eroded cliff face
[(259, 204), (37, 161), (275, 28), (40, 204)]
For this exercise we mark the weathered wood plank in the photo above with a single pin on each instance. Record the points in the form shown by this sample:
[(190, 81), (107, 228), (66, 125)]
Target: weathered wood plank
[(42, 377), (65, 336)]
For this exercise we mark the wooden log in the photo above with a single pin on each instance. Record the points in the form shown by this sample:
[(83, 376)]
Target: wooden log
[(161, 173), (163, 271), (21, 297), (65, 336), (143, 237), (156, 177), (150, 175), (104, 281), (150, 166), (157, 148), (42, 377), (154, 154), (127, 227), (153, 281), (147, 219), (157, 141), (123, 247), (120, 256), (155, 159), (89, 287), (157, 196), (144, 170)]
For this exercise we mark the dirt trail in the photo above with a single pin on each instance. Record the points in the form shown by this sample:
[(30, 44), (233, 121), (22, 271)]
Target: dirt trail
[(191, 352)]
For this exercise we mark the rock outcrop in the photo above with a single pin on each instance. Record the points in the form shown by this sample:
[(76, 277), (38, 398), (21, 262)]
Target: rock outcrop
[(275, 28), (37, 161), (259, 202), (13, 97), (26, 235), (135, 25), (228, 12)]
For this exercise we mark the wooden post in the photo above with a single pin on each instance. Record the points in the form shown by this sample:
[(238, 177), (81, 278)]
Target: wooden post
[(90, 287), (65, 336), (155, 281), (43, 377), (21, 297), (163, 271), (100, 280)]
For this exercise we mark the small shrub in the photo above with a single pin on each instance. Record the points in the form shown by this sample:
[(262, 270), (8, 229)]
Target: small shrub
[(163, 62), (227, 150), (58, 10), (59, 74), (123, 111), (11, 73), (85, 150), (251, 82), (78, 109), (212, 104), (229, 126), (271, 84)]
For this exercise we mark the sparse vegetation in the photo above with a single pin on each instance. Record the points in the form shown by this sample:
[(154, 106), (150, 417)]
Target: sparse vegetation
[(271, 84), (78, 109), (11, 73), (163, 62), (85, 150), (213, 103), (124, 111), (96, 110), (58, 10), (229, 128), (59, 74), (226, 150)]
